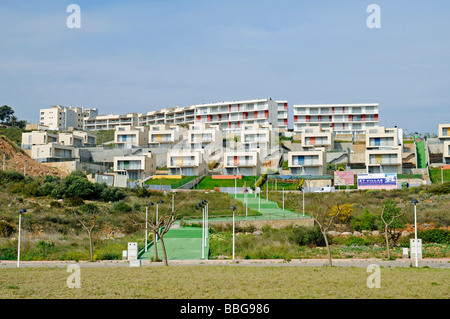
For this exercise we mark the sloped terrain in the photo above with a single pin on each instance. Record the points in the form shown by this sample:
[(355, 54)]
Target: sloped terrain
[(15, 161)]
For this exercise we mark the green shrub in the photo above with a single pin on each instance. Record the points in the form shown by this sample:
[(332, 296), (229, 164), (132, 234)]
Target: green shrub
[(55, 204), (8, 253), (364, 222), (440, 189), (6, 230), (123, 207), (438, 236), (112, 194)]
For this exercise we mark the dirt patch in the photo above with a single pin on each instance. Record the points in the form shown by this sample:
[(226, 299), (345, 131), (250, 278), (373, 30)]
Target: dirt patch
[(15, 161)]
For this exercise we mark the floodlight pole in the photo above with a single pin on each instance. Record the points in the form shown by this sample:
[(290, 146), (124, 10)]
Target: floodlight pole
[(303, 192), (283, 198), (146, 227), (415, 235), (20, 226), (203, 233)]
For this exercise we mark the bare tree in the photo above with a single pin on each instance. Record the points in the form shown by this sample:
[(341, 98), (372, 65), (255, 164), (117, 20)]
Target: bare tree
[(389, 213), (160, 227), (87, 217), (325, 217)]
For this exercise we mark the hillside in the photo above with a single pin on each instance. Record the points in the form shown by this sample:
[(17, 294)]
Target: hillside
[(15, 161)]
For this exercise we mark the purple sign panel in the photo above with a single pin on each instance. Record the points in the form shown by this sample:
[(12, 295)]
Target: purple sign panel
[(377, 181)]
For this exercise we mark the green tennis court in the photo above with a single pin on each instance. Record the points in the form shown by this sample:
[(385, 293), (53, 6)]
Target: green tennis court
[(184, 243)]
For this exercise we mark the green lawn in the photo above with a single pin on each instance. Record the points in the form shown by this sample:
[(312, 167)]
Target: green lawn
[(208, 183), (174, 182), (435, 175)]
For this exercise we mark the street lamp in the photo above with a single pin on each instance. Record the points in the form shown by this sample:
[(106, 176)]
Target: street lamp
[(234, 240), (157, 218), (415, 202), (205, 202), (146, 224), (23, 210), (200, 205)]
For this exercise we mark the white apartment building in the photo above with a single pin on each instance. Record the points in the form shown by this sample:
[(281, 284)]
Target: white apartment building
[(343, 118), (282, 116), (52, 152), (110, 122), (444, 132), (384, 150), (444, 137), (126, 136), (205, 138), (382, 137), (308, 162), (247, 163), (135, 167), (317, 136), (446, 152), (77, 138), (186, 162), (37, 138), (62, 118), (231, 116), (258, 138), (162, 135)]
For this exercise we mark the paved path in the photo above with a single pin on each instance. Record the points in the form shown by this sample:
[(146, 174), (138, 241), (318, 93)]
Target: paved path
[(361, 263)]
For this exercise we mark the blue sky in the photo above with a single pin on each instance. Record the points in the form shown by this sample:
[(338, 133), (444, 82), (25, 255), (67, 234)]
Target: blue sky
[(138, 56)]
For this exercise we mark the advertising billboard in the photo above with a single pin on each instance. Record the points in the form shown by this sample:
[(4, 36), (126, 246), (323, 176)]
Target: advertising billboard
[(343, 178), (377, 181)]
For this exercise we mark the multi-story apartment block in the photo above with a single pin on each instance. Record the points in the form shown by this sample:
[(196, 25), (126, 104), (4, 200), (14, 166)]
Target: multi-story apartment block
[(77, 138), (204, 137), (384, 160), (68, 138), (88, 138), (62, 118), (239, 162), (110, 122), (129, 136), (135, 167), (384, 150), (444, 132), (282, 116), (444, 137), (381, 137), (446, 152), (343, 118), (162, 135), (307, 162), (317, 136), (52, 152), (186, 162), (257, 137), (231, 116), (37, 138)]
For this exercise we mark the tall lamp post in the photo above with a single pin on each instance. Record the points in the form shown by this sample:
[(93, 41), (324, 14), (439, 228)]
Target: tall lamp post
[(200, 205), (23, 210), (205, 202), (415, 202), (234, 240), (157, 218), (146, 224)]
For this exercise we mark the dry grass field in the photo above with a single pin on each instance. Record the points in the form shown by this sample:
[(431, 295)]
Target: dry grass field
[(225, 282)]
